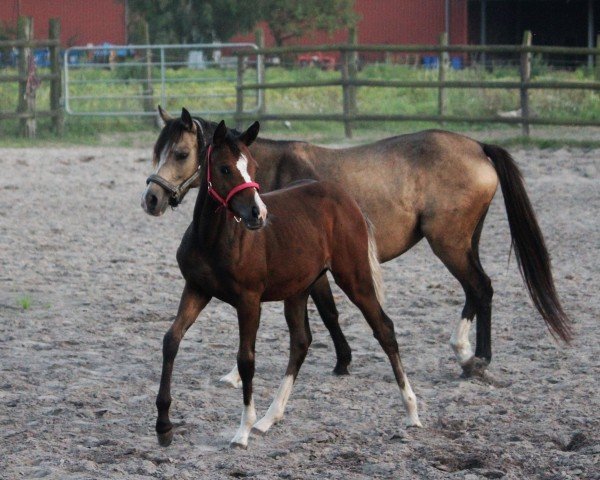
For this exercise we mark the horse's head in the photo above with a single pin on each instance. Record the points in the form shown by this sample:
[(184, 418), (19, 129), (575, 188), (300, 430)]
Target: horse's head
[(231, 173), (175, 160)]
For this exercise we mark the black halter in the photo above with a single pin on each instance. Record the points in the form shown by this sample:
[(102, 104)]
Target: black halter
[(177, 192)]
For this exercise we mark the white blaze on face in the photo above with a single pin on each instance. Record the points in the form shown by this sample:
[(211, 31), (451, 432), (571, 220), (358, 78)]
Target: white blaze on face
[(161, 161), (163, 158), (459, 341), (242, 166)]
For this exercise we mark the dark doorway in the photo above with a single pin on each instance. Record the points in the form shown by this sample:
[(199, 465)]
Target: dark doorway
[(552, 22)]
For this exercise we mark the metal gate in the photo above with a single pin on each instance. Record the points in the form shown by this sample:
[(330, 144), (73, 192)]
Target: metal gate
[(131, 80)]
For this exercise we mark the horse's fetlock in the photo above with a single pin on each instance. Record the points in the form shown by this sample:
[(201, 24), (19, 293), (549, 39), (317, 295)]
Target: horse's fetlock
[(163, 426), (163, 404)]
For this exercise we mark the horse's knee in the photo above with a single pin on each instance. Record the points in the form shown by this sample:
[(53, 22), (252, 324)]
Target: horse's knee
[(170, 344), (301, 346), (386, 335), (245, 364), (484, 291)]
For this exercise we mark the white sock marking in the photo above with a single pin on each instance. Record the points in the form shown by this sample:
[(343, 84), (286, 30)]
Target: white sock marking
[(410, 404), (233, 378), (459, 341), (248, 419), (276, 409)]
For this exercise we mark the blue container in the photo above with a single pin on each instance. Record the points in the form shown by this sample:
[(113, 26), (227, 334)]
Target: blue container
[(456, 63), (41, 58), (430, 61)]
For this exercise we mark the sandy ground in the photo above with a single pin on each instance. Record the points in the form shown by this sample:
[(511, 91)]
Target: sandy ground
[(80, 367)]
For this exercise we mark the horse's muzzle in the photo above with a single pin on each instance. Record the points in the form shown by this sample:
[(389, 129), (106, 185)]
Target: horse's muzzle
[(155, 200), (254, 224)]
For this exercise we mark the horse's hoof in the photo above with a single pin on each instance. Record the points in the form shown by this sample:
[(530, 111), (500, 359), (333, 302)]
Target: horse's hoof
[(258, 432), (474, 367), (413, 423), (165, 438), (340, 370), (241, 446), (230, 382)]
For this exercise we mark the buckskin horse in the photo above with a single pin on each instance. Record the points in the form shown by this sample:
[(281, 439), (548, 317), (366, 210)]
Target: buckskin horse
[(433, 184), (278, 247)]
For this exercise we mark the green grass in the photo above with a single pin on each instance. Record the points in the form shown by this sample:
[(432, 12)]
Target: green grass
[(24, 302), (213, 90)]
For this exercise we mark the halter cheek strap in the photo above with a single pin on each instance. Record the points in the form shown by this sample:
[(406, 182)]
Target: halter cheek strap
[(235, 190)]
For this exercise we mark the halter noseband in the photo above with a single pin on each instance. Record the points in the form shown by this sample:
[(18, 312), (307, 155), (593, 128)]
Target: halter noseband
[(238, 188), (177, 192)]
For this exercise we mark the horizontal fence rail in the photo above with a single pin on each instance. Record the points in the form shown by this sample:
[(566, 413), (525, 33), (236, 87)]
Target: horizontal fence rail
[(349, 82), (130, 80)]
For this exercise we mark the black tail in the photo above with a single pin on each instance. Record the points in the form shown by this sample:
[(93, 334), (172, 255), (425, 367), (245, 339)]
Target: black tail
[(528, 242)]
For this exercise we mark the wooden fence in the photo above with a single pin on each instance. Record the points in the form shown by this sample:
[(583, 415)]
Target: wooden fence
[(348, 81), (27, 112)]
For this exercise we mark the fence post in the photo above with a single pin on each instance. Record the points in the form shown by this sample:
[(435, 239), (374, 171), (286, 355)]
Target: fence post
[(525, 77), (598, 57), (148, 89), (346, 93), (55, 83), (260, 72), (352, 69), (239, 93), (26, 102), (442, 67)]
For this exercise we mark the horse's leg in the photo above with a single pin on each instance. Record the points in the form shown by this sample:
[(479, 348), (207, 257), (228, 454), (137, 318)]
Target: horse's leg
[(465, 265), (323, 297), (356, 281), (191, 304), (248, 320), (233, 378), (300, 340)]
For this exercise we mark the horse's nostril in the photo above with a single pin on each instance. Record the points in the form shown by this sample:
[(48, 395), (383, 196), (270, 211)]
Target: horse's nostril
[(255, 212), (152, 201)]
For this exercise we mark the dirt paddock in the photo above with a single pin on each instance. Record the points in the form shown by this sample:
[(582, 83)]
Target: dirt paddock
[(89, 285)]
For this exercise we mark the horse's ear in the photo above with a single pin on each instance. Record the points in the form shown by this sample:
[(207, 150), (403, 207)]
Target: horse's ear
[(186, 118), (165, 117), (220, 133), (250, 135)]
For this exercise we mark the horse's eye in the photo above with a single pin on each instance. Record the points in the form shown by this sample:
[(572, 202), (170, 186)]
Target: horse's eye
[(225, 170), (181, 155)]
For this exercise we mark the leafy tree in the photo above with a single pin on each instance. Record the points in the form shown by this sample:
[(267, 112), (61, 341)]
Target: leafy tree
[(194, 21), (190, 21), (289, 19)]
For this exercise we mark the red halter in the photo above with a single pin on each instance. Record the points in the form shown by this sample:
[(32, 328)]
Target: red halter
[(238, 188)]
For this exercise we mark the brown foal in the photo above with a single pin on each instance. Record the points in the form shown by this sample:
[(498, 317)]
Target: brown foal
[(246, 249)]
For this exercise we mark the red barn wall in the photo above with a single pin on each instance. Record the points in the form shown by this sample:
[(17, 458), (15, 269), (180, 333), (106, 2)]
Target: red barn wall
[(82, 22), (393, 22)]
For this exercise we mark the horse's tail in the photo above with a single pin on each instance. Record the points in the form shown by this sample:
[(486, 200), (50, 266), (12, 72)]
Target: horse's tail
[(530, 249), (374, 264)]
